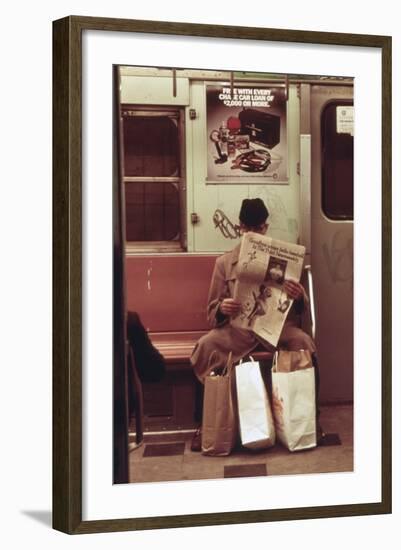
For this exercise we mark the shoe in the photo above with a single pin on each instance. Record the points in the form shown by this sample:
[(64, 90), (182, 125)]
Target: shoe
[(320, 435), (196, 443)]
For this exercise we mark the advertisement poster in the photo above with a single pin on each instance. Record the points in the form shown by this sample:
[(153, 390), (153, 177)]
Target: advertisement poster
[(247, 134)]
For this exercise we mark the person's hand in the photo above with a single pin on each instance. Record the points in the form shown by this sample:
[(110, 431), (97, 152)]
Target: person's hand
[(230, 307), (294, 290)]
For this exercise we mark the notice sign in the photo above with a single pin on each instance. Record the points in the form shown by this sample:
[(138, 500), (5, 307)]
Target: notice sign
[(246, 134), (345, 119)]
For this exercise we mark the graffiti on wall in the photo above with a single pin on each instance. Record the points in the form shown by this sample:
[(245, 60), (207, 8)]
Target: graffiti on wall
[(338, 255), (228, 229)]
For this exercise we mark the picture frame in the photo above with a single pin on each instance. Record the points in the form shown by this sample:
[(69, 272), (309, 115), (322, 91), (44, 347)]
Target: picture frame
[(68, 295)]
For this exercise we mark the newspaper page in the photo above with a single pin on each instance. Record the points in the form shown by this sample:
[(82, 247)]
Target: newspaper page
[(263, 266)]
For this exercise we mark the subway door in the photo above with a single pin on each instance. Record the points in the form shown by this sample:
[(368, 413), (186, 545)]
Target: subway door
[(332, 236)]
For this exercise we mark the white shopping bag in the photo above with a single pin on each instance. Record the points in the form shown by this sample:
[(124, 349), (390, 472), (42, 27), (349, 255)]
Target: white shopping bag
[(294, 407), (254, 411)]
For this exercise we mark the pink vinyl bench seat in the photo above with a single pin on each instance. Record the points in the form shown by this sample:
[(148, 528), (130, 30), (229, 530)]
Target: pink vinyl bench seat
[(170, 295)]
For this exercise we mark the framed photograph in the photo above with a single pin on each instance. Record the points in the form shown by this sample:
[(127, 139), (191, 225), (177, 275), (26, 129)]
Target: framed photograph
[(170, 141)]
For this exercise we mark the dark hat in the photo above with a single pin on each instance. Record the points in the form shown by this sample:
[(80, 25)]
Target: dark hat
[(253, 212)]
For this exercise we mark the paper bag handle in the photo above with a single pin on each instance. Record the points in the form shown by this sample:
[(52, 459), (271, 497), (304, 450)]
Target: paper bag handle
[(250, 357), (214, 352), (229, 365), (289, 366)]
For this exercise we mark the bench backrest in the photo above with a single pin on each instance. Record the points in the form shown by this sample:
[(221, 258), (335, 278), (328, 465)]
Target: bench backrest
[(169, 292)]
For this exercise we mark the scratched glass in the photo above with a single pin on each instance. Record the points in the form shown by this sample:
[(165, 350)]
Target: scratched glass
[(151, 162), (151, 211)]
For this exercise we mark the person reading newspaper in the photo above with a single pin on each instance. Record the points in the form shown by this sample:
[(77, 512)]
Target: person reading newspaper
[(223, 309)]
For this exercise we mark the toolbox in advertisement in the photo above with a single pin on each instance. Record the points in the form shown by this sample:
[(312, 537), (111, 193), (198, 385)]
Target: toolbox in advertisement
[(262, 128)]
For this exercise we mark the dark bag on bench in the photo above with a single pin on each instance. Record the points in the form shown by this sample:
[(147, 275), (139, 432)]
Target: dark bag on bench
[(148, 360)]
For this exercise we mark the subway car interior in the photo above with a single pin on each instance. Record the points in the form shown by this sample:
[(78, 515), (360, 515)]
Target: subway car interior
[(189, 146)]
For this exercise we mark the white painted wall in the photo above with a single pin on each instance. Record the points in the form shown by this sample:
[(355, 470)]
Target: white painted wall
[(149, 90), (204, 198)]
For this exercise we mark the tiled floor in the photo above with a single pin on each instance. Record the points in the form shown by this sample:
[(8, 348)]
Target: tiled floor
[(172, 459)]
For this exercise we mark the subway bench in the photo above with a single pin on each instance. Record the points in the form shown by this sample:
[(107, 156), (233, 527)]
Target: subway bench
[(176, 348), (169, 293)]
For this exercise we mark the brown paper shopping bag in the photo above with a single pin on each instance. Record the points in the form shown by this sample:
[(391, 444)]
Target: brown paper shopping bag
[(219, 425), (294, 407)]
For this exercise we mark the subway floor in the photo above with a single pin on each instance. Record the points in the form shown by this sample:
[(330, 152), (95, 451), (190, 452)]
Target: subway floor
[(169, 457)]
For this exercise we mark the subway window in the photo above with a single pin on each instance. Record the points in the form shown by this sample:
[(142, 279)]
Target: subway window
[(152, 176), (338, 160)]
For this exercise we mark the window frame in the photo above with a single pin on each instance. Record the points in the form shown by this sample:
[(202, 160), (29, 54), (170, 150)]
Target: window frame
[(161, 246)]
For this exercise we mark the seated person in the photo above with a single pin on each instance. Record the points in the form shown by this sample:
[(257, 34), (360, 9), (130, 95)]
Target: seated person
[(223, 337)]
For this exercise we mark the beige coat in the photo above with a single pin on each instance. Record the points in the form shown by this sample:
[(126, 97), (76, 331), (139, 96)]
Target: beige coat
[(223, 337)]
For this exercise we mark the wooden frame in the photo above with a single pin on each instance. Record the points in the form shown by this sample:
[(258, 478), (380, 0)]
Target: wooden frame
[(67, 274)]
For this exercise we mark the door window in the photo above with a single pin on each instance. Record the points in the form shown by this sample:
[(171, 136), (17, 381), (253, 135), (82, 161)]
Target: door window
[(338, 160)]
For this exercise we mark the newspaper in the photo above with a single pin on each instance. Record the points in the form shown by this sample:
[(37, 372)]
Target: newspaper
[(263, 266)]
